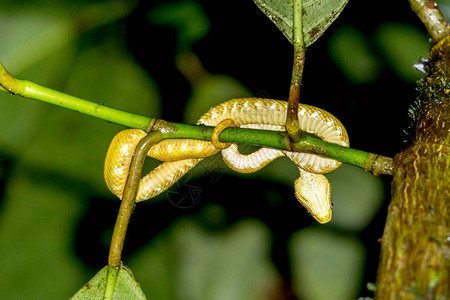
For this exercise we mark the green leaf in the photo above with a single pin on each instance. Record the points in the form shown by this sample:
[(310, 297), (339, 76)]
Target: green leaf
[(124, 285), (317, 16)]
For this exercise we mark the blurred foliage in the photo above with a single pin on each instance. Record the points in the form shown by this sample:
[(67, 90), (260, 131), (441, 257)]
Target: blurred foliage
[(201, 265), (51, 160), (186, 17), (392, 37), (314, 275), (362, 66), (445, 7)]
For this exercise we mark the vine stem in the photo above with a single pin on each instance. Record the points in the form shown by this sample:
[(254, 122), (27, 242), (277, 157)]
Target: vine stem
[(374, 163), (126, 209), (129, 197)]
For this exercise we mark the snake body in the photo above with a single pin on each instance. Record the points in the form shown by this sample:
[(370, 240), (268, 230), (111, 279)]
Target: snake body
[(312, 189)]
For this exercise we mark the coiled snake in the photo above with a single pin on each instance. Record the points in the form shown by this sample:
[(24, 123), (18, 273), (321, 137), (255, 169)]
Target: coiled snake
[(312, 189)]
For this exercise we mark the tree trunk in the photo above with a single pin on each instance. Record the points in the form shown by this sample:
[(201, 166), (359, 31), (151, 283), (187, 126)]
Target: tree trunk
[(415, 247)]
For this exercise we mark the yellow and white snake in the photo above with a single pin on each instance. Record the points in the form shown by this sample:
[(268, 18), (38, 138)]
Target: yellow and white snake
[(312, 189)]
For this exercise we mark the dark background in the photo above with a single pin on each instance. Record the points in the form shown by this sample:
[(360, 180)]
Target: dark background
[(241, 43)]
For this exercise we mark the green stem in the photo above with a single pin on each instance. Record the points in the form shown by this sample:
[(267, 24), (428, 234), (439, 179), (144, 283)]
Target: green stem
[(371, 162), (292, 123), (274, 139), (111, 279), (431, 16), (298, 25), (32, 90)]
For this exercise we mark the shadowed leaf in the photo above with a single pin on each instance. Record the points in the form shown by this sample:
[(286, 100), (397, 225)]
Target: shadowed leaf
[(317, 16)]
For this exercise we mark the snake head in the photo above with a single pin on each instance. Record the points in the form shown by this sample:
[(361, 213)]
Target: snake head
[(313, 192)]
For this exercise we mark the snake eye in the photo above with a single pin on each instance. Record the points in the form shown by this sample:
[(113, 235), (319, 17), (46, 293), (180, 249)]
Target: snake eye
[(331, 204)]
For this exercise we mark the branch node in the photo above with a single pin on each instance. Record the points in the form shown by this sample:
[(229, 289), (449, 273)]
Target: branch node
[(379, 164)]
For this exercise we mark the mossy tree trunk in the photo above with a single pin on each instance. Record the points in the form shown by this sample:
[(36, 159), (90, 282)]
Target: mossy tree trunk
[(415, 247)]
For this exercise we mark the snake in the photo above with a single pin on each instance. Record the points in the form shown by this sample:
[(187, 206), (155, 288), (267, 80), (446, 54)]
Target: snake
[(178, 156)]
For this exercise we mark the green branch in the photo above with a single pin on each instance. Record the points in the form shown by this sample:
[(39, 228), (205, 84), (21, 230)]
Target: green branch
[(309, 143), (431, 16), (32, 90)]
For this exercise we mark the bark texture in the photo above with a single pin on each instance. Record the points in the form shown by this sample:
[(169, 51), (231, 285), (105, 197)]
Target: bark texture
[(415, 247)]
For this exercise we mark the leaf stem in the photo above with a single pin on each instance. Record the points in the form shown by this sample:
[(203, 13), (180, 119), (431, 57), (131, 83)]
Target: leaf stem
[(292, 123), (274, 139)]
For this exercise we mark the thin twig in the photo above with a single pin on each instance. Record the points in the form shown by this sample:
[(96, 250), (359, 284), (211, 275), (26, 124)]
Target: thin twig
[(292, 123)]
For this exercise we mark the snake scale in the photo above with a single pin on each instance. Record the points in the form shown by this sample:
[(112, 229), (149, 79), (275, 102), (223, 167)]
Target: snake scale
[(312, 189)]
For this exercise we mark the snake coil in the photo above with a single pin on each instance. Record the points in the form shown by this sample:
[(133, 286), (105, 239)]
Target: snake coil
[(312, 189)]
